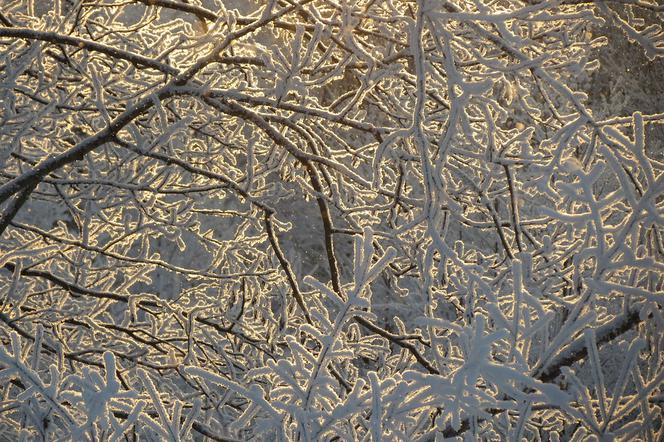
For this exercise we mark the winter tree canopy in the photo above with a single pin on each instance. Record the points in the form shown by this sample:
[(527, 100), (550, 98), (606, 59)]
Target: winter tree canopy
[(323, 220)]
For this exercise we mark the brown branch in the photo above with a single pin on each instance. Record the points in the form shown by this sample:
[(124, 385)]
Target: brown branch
[(285, 265), (401, 341), (515, 207), (34, 176), (57, 38), (569, 355), (14, 206)]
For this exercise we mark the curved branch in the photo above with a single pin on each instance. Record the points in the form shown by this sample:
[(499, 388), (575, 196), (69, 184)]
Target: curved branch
[(569, 355)]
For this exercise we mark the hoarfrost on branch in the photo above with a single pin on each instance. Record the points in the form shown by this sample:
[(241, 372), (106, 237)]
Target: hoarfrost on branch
[(326, 220)]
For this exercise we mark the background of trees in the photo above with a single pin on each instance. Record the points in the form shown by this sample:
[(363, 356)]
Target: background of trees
[(331, 220)]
